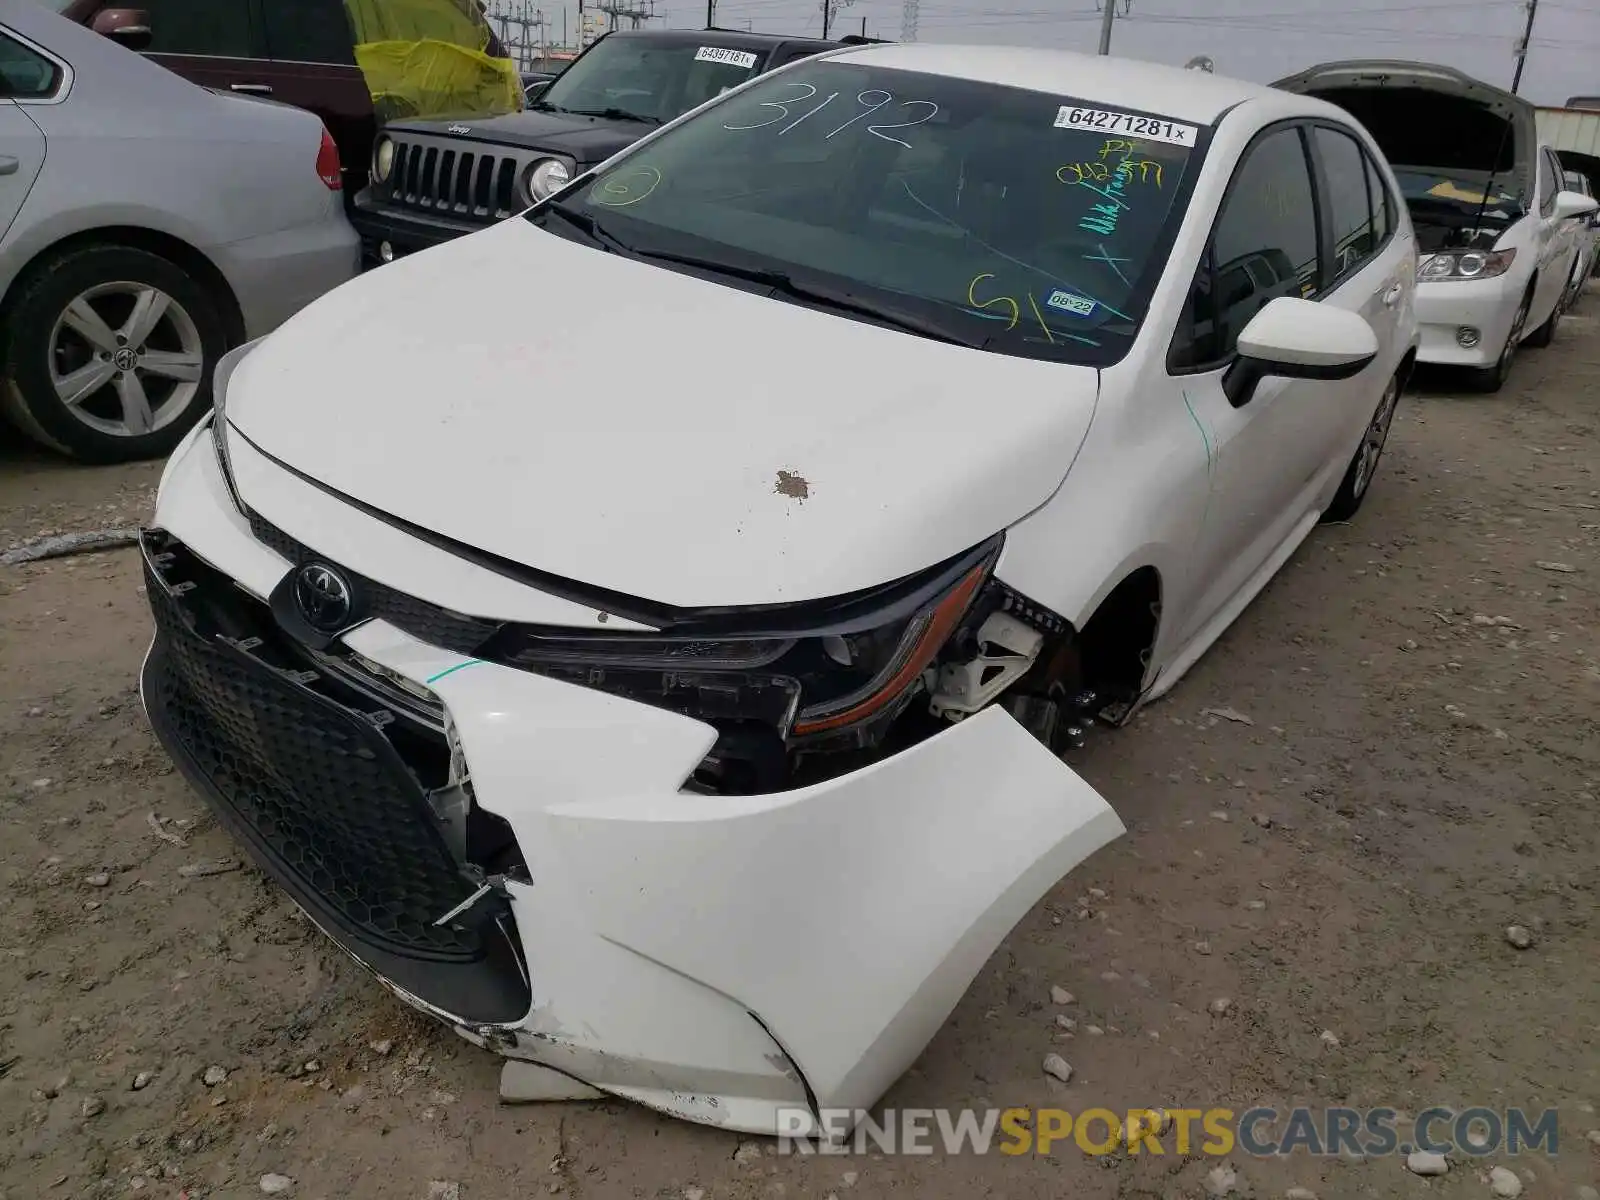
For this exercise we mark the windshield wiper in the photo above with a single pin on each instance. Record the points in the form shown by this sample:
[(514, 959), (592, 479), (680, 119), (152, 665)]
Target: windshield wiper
[(589, 227), (614, 114), (783, 283)]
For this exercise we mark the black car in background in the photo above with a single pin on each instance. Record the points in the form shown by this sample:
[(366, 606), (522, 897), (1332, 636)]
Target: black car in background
[(435, 180)]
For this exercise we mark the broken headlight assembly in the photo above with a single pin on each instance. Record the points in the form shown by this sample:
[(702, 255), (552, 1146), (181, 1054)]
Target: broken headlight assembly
[(1464, 264), (828, 675)]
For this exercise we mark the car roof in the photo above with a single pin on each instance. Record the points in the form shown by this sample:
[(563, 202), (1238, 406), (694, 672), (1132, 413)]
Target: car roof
[(1197, 96)]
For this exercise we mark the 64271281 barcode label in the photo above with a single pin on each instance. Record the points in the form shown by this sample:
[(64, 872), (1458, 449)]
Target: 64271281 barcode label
[(1124, 124)]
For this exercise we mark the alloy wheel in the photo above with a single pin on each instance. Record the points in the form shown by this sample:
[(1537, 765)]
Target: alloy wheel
[(1503, 367), (1373, 440), (126, 358)]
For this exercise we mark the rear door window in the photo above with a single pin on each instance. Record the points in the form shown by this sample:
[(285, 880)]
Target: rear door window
[(213, 28), (1382, 202), (1347, 199), (25, 74)]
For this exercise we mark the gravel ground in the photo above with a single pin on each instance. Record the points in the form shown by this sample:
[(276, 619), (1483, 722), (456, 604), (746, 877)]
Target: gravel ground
[(1417, 772)]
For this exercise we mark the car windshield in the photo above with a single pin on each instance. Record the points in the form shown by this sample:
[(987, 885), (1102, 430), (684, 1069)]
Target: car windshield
[(644, 79), (1016, 221)]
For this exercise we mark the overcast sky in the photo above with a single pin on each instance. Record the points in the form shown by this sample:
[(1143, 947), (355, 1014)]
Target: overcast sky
[(1253, 39)]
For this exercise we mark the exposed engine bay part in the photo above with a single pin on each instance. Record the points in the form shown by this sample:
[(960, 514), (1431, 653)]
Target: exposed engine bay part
[(1006, 651)]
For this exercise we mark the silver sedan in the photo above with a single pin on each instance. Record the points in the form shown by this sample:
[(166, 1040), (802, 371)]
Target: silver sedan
[(146, 226)]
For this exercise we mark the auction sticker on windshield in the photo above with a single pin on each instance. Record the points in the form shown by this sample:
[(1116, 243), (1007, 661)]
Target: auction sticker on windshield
[(734, 58), (1155, 129)]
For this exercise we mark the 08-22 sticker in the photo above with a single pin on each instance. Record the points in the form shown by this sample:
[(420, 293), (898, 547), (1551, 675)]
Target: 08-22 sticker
[(1102, 120)]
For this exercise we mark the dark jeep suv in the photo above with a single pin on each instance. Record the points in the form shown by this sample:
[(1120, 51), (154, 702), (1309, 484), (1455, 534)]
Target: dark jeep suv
[(435, 180)]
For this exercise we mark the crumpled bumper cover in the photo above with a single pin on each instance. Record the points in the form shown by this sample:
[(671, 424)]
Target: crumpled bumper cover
[(723, 959)]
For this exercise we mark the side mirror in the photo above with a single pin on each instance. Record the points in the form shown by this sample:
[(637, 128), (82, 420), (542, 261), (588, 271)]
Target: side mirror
[(1298, 339), (1574, 204), (534, 90), (128, 26)]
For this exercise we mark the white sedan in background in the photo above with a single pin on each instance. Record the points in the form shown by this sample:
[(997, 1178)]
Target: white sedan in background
[(1495, 224), (146, 226), (660, 676)]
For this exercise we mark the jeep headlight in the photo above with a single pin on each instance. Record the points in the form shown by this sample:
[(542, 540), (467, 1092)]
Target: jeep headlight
[(382, 157), (546, 177)]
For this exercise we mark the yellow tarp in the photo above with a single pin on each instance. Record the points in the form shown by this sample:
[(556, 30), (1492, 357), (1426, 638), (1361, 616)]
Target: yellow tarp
[(426, 58)]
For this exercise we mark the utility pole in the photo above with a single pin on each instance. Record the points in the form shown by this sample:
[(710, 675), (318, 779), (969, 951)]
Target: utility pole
[(830, 11), (1522, 46), (908, 20), (1106, 18)]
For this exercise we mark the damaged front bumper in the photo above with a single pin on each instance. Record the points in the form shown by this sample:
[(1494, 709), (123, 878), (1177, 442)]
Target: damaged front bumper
[(725, 959)]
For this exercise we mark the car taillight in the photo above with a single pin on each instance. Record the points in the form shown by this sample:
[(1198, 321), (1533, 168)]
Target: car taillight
[(328, 163)]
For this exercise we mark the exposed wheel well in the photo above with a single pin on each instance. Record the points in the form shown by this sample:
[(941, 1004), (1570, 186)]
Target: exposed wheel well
[(1116, 642), (175, 250), (1408, 364)]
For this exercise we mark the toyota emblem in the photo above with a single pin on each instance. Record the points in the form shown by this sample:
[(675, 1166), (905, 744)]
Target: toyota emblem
[(323, 597)]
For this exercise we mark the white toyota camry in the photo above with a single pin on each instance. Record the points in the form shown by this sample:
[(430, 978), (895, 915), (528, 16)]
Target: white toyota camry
[(658, 672)]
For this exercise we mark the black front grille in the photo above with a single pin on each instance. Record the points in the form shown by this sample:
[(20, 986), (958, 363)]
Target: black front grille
[(453, 180), (426, 622), (317, 788)]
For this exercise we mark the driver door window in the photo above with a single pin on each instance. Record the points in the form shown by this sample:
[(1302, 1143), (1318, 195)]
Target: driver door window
[(1264, 245)]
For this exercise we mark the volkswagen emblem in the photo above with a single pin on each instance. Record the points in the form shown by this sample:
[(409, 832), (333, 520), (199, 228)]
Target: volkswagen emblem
[(125, 359), (323, 597)]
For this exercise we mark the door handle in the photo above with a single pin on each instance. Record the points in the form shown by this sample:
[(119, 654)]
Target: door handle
[(1392, 296), (8, 165), (255, 89)]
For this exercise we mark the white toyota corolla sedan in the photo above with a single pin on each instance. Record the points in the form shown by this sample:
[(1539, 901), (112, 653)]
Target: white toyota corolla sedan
[(643, 632)]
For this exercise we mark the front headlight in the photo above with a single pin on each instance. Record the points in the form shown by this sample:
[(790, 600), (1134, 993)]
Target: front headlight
[(806, 673), (546, 177), (382, 157), (1465, 264)]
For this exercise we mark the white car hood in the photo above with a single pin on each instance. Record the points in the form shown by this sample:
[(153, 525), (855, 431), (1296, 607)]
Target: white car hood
[(641, 430)]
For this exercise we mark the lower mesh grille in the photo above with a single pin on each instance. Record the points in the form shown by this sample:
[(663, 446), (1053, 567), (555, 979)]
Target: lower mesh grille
[(317, 786)]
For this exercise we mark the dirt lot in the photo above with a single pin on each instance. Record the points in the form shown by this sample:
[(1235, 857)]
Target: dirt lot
[(1419, 773)]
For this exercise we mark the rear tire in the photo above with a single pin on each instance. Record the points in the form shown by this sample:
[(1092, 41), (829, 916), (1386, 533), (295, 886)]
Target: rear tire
[(1363, 467), (109, 353)]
